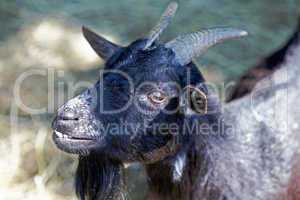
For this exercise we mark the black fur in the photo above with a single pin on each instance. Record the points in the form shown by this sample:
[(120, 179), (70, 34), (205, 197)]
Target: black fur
[(99, 177)]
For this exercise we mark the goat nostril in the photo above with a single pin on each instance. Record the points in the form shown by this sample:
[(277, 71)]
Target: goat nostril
[(68, 116)]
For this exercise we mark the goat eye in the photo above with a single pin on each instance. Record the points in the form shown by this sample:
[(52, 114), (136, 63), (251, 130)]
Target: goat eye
[(157, 97)]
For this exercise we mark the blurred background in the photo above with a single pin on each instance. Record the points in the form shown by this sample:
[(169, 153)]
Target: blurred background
[(46, 35)]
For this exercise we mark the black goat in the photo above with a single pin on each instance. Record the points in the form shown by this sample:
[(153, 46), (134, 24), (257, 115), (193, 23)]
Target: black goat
[(148, 84)]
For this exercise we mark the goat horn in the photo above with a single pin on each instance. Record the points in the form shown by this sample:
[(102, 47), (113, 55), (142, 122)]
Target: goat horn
[(189, 46), (164, 21), (104, 48)]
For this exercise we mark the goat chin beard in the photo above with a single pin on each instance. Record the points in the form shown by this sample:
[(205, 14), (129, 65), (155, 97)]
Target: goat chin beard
[(99, 178)]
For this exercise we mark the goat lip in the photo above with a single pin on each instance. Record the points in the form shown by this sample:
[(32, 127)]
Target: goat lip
[(60, 135)]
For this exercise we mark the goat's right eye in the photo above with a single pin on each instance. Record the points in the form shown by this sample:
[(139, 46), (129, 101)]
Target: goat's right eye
[(157, 97)]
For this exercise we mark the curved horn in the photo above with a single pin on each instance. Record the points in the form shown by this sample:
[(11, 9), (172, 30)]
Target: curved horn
[(164, 21), (104, 48), (189, 46)]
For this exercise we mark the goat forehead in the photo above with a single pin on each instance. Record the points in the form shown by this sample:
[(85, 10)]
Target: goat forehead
[(156, 76), (138, 58), (162, 75), (140, 74)]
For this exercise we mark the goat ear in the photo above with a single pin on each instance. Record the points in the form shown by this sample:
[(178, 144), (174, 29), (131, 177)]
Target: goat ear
[(104, 48), (193, 101)]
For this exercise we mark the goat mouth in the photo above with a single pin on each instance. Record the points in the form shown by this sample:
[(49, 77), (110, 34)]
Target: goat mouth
[(74, 144), (61, 136)]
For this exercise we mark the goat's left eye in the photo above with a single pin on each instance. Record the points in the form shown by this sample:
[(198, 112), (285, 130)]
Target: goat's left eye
[(157, 97)]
